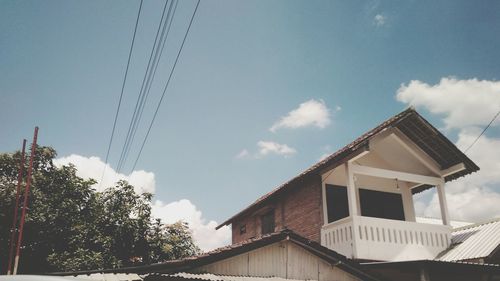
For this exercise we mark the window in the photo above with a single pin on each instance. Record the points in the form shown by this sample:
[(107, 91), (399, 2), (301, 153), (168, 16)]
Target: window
[(243, 229), (336, 202), (267, 222), (378, 204)]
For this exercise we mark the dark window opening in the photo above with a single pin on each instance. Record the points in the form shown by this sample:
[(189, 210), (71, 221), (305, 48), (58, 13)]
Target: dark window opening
[(378, 204), (336, 202), (373, 203), (267, 222), (243, 229)]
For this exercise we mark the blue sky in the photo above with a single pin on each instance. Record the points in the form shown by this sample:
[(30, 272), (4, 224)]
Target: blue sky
[(245, 65)]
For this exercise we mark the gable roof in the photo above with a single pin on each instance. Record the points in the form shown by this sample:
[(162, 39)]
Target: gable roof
[(182, 265), (473, 242), (409, 122)]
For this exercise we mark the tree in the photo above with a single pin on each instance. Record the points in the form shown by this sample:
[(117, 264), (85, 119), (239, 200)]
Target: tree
[(70, 226)]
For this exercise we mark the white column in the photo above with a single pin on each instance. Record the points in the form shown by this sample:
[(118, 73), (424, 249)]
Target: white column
[(408, 206), (351, 191), (443, 204), (352, 199), (325, 206)]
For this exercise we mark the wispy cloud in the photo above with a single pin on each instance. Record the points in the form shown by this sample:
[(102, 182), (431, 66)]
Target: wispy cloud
[(269, 147), (327, 151), (310, 113), (379, 20), (243, 154)]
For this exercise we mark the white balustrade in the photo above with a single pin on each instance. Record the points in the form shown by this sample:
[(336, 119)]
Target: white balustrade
[(379, 239)]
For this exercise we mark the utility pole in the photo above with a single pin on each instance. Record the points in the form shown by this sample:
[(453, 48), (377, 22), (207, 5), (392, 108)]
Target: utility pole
[(25, 202), (13, 229)]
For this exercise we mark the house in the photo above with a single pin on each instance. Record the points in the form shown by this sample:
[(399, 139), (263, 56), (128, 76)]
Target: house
[(351, 217), (359, 200)]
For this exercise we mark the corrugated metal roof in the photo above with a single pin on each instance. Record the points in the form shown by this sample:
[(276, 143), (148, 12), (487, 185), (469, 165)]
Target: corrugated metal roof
[(107, 277), (453, 223), (215, 277), (473, 242)]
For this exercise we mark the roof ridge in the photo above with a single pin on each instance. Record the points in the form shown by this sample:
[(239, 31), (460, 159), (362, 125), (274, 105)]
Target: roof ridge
[(481, 223)]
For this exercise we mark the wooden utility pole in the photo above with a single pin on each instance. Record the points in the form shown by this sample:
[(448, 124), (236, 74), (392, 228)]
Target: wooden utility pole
[(25, 201), (13, 229)]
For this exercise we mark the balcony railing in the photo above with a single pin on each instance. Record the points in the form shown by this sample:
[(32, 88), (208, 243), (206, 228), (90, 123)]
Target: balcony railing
[(379, 239)]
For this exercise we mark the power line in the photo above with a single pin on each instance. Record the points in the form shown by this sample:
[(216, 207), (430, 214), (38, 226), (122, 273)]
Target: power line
[(152, 71), (484, 130), (166, 85), (121, 92), (156, 65), (140, 97)]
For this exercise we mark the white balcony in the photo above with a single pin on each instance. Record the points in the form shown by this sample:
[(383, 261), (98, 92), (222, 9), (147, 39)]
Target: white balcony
[(368, 207), (368, 238)]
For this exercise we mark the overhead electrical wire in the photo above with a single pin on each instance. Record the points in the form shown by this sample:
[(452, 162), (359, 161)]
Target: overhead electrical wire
[(153, 59), (121, 92), (140, 97), (482, 133), (166, 85), (146, 90), (156, 66)]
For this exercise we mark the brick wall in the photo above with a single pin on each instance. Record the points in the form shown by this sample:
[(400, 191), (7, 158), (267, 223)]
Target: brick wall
[(303, 211), (251, 225), (298, 209)]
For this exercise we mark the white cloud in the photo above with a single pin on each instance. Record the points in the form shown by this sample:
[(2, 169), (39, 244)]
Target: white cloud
[(379, 20), (204, 233), (92, 167), (327, 151), (243, 154), (463, 103), (269, 147), (310, 113), (323, 156), (474, 197)]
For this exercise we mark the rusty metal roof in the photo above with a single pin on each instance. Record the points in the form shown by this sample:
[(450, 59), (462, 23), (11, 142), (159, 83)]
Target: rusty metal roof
[(473, 242), (413, 125)]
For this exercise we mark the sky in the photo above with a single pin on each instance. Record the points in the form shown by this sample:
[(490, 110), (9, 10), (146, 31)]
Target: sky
[(262, 90)]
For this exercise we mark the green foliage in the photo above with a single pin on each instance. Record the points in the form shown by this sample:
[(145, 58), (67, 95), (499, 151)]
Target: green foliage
[(71, 227)]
